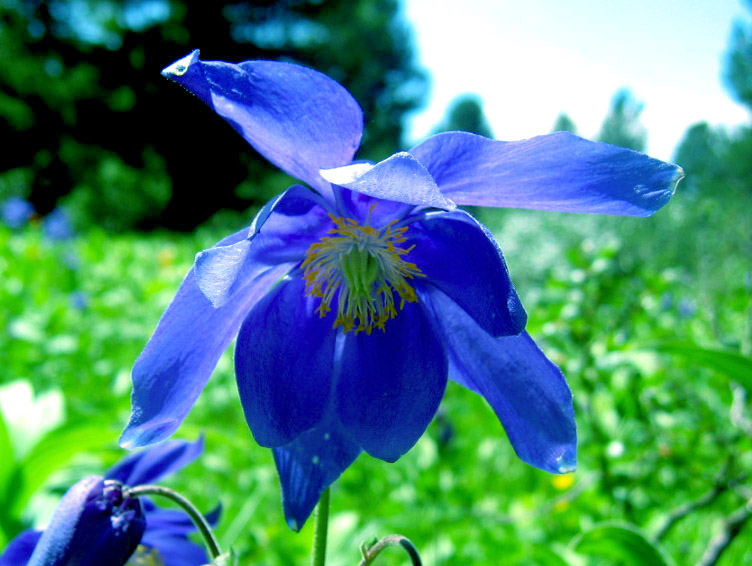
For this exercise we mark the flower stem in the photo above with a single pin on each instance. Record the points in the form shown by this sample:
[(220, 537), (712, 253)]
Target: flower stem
[(370, 553), (320, 529), (198, 519)]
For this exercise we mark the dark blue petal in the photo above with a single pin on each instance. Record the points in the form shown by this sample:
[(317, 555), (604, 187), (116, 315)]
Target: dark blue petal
[(20, 549), (391, 383), (92, 525), (281, 233), (399, 178), (553, 172), (283, 364), (297, 118), (528, 392), (179, 358), (309, 465), (460, 256), (153, 463)]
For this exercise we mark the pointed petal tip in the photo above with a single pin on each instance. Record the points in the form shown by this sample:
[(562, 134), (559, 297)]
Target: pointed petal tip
[(566, 463), (561, 461), (181, 66), (136, 436), (293, 524)]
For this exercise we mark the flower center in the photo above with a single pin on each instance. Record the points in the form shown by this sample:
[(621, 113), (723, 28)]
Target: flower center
[(361, 268), (145, 556)]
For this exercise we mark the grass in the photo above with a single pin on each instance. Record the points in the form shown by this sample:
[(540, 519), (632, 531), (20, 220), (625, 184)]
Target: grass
[(655, 429)]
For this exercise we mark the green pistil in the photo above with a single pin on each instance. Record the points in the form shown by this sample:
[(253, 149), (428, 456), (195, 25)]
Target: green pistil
[(360, 270)]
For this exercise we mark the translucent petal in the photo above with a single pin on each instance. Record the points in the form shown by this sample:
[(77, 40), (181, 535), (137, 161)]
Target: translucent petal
[(298, 118), (526, 391), (553, 172)]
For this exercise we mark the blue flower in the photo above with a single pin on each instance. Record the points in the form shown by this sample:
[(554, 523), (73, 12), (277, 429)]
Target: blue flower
[(355, 302), (16, 212), (97, 522), (57, 227)]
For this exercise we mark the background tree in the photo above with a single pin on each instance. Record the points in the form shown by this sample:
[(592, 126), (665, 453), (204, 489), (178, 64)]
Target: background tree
[(90, 117), (564, 123), (738, 72), (622, 125), (466, 113), (702, 154)]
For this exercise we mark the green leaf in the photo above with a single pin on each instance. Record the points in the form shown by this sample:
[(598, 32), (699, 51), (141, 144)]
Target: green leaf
[(54, 451), (732, 364), (7, 456), (623, 543), (543, 556), (8, 460)]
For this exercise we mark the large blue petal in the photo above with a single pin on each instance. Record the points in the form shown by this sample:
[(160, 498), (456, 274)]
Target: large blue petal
[(20, 549), (310, 464), (283, 364), (528, 392), (553, 172), (92, 525), (179, 358), (153, 463), (460, 256), (391, 383), (399, 178), (281, 233), (297, 118)]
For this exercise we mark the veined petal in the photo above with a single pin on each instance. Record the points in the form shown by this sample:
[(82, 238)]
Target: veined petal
[(20, 549), (459, 255), (526, 391), (310, 464), (179, 358), (391, 383), (92, 525), (298, 118), (557, 171), (153, 463), (399, 178), (283, 364), (281, 233)]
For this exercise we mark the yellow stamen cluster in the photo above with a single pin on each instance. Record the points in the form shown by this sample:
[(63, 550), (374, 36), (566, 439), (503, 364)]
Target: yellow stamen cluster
[(361, 268), (145, 556)]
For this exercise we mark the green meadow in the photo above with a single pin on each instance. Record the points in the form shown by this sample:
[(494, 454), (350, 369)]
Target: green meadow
[(648, 318)]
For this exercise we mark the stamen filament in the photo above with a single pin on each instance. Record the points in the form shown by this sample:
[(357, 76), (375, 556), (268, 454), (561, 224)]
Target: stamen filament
[(360, 267)]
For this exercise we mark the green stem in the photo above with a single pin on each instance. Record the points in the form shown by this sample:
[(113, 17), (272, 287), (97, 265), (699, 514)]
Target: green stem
[(370, 553), (320, 529), (198, 519)]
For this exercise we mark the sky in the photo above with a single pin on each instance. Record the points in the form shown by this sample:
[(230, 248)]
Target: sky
[(530, 60)]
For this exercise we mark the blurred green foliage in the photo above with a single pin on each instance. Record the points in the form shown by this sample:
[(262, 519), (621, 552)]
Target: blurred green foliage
[(655, 426), (465, 114), (649, 319), (95, 127), (564, 123), (622, 125)]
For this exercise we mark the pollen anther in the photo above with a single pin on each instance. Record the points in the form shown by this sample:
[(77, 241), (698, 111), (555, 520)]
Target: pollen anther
[(362, 269)]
